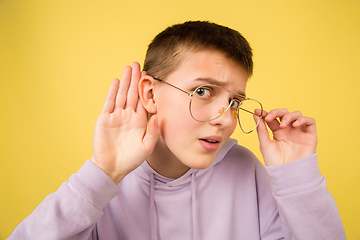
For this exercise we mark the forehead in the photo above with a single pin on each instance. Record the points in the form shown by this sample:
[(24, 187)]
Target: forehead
[(209, 66)]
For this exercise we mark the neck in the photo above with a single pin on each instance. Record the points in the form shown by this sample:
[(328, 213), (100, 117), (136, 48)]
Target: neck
[(164, 162)]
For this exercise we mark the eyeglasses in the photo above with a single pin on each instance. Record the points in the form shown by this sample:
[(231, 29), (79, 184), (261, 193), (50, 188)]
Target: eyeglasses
[(209, 102)]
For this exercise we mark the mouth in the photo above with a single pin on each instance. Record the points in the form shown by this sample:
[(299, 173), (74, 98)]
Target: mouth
[(210, 144), (209, 140)]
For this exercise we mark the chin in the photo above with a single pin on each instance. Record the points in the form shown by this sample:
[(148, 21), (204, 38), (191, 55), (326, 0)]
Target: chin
[(200, 162)]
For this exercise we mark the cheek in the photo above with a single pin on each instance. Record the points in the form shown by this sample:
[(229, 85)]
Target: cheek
[(229, 130), (174, 116), (232, 128)]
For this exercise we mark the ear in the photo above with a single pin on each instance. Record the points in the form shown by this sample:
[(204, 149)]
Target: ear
[(146, 93)]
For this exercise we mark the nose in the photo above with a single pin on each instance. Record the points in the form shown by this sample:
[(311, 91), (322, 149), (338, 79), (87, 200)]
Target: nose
[(227, 119)]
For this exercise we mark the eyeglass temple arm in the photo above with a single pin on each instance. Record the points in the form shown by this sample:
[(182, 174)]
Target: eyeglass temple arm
[(250, 111), (246, 110), (158, 79)]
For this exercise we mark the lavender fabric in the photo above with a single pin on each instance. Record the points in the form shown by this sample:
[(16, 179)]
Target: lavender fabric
[(235, 198)]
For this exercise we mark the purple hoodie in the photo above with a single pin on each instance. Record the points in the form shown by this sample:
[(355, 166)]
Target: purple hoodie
[(235, 198)]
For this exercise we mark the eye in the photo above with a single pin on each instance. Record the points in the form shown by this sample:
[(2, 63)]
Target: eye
[(235, 104), (204, 92)]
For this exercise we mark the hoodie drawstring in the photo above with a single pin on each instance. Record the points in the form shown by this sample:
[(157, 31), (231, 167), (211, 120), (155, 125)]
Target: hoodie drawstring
[(152, 208), (193, 206)]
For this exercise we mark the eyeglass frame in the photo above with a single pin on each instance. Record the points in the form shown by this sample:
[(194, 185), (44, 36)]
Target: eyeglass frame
[(191, 95)]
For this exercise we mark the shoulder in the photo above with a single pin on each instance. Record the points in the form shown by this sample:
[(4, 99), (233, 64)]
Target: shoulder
[(239, 155), (240, 152), (232, 152)]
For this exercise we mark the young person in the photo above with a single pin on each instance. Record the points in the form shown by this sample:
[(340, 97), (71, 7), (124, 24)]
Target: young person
[(179, 175)]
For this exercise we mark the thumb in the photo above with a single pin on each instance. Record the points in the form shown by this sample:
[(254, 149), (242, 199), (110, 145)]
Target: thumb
[(262, 132), (152, 135)]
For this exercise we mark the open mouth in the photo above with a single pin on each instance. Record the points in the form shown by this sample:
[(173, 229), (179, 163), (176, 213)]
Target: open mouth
[(210, 144), (209, 140)]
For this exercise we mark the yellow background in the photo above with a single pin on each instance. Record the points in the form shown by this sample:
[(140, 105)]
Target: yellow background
[(58, 59)]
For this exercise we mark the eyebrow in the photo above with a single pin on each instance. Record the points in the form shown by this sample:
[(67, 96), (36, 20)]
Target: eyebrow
[(220, 84)]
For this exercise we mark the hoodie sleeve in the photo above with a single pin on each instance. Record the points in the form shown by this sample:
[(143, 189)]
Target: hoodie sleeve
[(306, 208), (73, 210)]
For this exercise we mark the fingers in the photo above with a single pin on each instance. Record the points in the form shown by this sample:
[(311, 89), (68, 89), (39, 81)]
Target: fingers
[(276, 113), (152, 135), (262, 131), (307, 123), (282, 118), (127, 95), (124, 94), (140, 108), (133, 93), (271, 120), (289, 118), (110, 98), (124, 86)]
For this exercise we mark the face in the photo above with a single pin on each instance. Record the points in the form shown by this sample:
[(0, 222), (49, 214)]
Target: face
[(194, 143)]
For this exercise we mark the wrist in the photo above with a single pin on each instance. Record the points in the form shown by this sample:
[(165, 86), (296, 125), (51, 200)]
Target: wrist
[(116, 176), (296, 176), (91, 179)]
